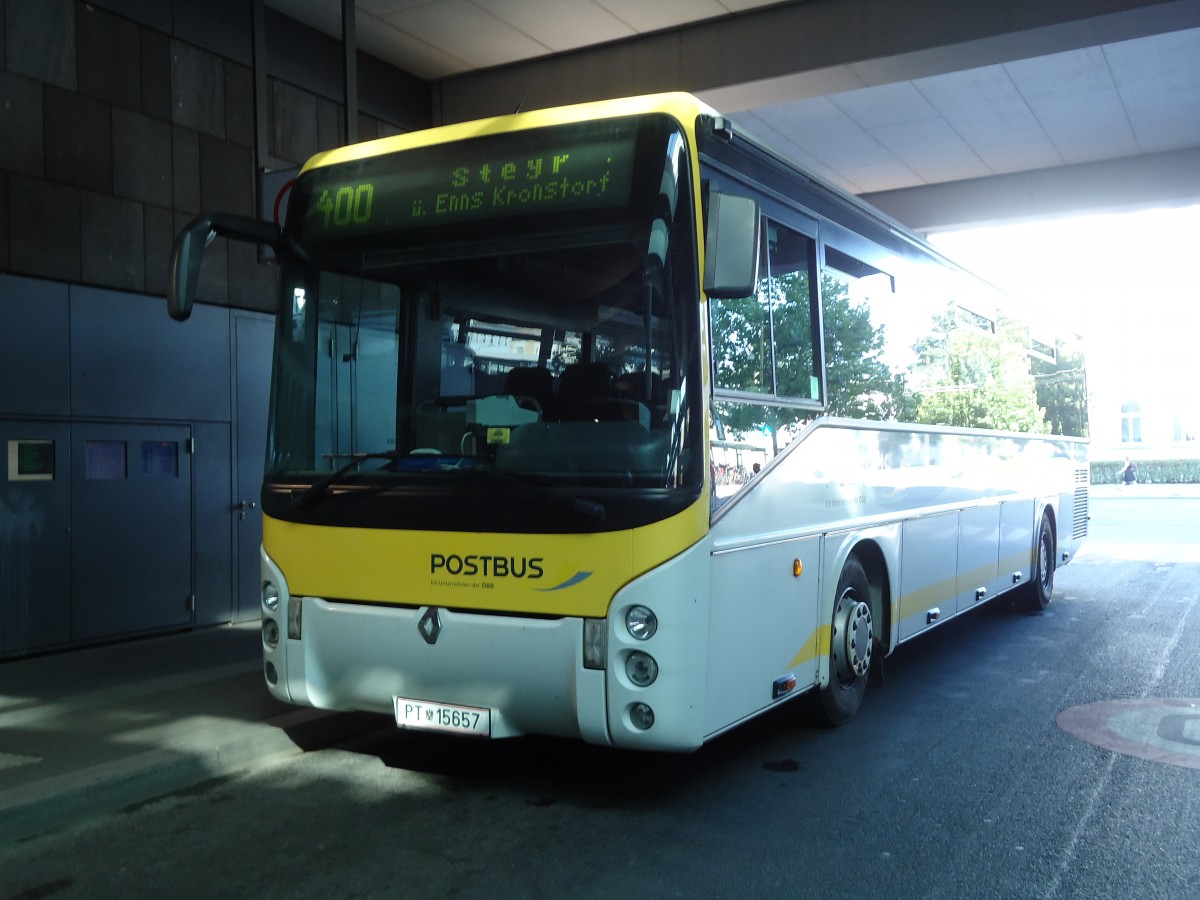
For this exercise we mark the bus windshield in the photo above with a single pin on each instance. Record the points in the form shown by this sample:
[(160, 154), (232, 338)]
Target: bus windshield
[(513, 309)]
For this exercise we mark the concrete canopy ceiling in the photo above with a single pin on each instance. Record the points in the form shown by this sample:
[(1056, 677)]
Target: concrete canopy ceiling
[(942, 112)]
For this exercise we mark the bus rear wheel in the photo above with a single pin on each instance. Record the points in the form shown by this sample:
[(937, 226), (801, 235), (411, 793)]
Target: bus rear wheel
[(851, 645), (1035, 596)]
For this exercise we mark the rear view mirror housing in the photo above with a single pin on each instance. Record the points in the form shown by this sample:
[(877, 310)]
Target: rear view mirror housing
[(731, 246), (187, 253)]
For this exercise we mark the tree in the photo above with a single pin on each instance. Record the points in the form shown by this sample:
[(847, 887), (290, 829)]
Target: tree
[(970, 377), (858, 383), (1062, 391), (747, 361)]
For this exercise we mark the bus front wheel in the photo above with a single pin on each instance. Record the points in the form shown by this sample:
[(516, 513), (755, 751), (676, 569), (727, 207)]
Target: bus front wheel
[(851, 644)]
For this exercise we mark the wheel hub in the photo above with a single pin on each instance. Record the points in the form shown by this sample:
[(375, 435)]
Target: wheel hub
[(853, 638), (1045, 562)]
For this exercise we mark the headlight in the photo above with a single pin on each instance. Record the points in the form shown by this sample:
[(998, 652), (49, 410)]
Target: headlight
[(270, 632), (641, 668), (641, 623), (270, 595)]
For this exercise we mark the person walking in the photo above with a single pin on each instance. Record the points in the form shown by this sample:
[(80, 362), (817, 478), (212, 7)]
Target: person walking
[(1129, 472)]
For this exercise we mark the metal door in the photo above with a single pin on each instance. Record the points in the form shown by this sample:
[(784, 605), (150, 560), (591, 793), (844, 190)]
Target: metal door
[(253, 338), (34, 503), (131, 531)]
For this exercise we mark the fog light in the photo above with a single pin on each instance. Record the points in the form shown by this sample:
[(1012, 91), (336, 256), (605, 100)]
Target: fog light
[(642, 716), (641, 623), (270, 630), (270, 595), (641, 668), (595, 643), (272, 675), (295, 618)]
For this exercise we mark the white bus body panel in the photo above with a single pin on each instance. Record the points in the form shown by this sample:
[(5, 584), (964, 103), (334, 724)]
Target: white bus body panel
[(928, 571), (679, 593), (1018, 519), (762, 624), (978, 555), (951, 513)]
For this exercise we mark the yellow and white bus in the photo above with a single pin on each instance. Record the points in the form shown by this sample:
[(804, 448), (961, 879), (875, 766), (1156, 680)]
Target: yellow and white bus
[(511, 356)]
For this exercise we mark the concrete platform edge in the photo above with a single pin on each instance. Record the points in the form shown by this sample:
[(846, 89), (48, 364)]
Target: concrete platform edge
[(66, 801)]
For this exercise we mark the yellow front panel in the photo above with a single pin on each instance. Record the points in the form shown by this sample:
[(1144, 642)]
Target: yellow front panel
[(553, 574)]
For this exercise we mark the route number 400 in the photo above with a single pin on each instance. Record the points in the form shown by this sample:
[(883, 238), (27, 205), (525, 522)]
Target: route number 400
[(348, 206)]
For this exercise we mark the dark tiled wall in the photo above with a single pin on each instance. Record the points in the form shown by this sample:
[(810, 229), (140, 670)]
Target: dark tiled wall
[(122, 119)]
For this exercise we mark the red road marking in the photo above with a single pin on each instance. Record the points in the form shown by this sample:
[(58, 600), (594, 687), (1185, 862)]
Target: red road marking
[(1165, 730)]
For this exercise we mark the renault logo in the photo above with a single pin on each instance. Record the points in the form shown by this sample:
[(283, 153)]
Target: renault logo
[(430, 625)]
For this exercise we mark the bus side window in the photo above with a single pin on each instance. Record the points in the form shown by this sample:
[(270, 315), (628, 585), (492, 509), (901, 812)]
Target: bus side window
[(766, 343), (869, 337), (458, 370)]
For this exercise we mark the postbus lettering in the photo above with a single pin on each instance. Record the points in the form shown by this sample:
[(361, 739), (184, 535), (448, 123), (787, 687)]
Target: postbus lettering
[(487, 566)]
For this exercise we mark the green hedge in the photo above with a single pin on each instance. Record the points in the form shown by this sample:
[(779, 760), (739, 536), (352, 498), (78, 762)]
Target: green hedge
[(1150, 471)]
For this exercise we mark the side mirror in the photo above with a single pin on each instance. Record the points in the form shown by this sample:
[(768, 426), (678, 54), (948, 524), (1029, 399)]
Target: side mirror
[(187, 253), (731, 246)]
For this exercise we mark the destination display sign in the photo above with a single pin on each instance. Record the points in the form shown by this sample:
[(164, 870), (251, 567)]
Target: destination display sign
[(525, 173)]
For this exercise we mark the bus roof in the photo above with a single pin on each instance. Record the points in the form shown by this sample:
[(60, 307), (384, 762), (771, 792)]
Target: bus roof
[(682, 106)]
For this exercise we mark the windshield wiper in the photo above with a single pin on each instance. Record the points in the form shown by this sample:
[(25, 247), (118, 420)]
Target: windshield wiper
[(314, 491), (589, 508)]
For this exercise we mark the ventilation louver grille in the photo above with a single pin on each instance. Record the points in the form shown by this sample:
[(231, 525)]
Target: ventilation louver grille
[(1079, 525)]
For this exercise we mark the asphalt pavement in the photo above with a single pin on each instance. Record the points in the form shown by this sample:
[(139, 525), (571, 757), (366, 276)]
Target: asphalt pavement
[(85, 733)]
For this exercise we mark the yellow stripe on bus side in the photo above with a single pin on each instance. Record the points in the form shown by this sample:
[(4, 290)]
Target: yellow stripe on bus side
[(551, 574), (815, 647)]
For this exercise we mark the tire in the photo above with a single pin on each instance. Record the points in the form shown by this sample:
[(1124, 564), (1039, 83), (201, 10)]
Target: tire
[(851, 647), (1035, 596)]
